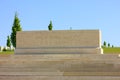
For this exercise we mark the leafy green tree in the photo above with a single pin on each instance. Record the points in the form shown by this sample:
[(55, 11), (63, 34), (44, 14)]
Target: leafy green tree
[(16, 27), (50, 26), (8, 41), (104, 44), (108, 44)]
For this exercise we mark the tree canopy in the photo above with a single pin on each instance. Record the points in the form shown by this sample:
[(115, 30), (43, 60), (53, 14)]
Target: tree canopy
[(50, 26), (16, 27), (8, 41)]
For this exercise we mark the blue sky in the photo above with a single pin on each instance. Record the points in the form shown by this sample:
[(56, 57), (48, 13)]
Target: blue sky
[(78, 14)]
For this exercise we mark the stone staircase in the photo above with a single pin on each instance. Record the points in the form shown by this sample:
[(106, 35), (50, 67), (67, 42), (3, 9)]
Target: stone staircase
[(60, 67), (61, 50)]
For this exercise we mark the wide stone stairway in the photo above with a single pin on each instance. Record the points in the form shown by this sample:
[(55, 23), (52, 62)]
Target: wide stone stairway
[(60, 67)]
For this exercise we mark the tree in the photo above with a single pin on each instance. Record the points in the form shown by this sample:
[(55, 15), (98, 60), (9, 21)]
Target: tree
[(50, 26), (16, 27), (104, 44), (108, 44), (112, 46), (8, 41)]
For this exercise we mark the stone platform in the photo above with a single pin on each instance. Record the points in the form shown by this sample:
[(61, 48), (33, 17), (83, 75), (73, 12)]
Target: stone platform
[(60, 67), (59, 55)]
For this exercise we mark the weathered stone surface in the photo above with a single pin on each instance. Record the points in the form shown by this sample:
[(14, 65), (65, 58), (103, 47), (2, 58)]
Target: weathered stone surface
[(79, 64), (67, 41), (59, 77), (60, 67)]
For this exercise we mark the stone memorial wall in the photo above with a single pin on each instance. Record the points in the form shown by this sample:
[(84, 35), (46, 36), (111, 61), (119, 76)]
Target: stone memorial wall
[(59, 41)]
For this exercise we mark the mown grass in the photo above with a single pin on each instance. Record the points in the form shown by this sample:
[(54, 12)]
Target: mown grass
[(7, 52), (115, 50)]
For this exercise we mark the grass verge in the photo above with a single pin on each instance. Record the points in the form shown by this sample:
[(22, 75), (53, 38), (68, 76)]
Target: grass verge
[(7, 52), (115, 50)]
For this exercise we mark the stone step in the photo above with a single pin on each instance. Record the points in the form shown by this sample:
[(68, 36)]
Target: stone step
[(37, 77), (60, 73), (61, 66), (59, 62), (55, 50), (33, 62), (91, 73), (60, 57), (61, 70), (27, 69), (31, 73)]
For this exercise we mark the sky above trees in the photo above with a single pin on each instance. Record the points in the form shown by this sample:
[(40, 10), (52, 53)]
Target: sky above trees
[(64, 14)]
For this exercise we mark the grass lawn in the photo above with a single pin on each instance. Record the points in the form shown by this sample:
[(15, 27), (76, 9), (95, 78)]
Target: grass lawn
[(7, 52), (115, 50)]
